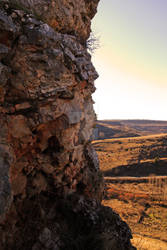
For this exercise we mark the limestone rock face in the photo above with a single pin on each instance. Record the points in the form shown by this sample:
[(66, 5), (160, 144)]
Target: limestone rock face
[(67, 16), (50, 184)]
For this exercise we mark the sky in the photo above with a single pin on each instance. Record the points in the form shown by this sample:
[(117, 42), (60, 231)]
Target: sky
[(131, 60)]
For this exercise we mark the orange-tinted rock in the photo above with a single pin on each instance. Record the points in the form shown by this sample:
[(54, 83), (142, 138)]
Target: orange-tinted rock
[(19, 184), (50, 183), (70, 17)]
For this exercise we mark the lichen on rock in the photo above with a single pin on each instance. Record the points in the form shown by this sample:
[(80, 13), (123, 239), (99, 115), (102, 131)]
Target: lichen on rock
[(50, 183)]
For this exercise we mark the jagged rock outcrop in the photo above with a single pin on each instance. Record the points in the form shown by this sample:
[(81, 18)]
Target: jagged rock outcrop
[(50, 184)]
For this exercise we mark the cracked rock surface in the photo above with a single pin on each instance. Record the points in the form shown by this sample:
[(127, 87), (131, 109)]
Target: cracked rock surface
[(50, 183)]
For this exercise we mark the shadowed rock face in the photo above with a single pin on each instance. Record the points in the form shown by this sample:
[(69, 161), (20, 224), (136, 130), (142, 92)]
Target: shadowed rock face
[(50, 184)]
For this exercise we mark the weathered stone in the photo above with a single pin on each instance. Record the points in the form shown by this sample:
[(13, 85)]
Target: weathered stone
[(45, 236), (39, 183), (19, 184), (6, 22), (19, 126), (3, 131), (70, 17), (50, 183), (92, 157), (5, 186), (47, 168), (22, 106), (3, 51), (4, 74)]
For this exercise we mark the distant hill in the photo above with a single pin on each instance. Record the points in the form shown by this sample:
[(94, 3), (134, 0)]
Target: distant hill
[(107, 129)]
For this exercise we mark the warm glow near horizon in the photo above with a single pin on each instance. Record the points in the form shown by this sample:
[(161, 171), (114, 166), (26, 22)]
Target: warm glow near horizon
[(131, 60)]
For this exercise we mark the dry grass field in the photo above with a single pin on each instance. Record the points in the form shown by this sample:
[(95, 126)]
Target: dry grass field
[(143, 205), (133, 156), (135, 171)]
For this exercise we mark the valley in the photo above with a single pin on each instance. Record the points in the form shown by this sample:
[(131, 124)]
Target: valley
[(135, 172)]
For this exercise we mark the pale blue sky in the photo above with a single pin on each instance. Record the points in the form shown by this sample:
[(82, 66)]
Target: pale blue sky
[(132, 59)]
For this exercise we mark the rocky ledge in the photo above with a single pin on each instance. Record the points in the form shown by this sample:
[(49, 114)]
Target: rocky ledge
[(50, 183)]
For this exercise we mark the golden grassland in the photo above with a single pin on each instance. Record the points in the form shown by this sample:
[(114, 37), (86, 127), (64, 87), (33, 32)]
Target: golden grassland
[(144, 207), (128, 151), (135, 171)]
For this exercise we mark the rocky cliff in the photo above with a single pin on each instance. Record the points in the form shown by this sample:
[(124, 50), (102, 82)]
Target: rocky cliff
[(50, 184)]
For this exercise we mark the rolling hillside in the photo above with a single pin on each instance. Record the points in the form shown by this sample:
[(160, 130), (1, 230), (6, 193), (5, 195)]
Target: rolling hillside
[(106, 129), (133, 156), (135, 171)]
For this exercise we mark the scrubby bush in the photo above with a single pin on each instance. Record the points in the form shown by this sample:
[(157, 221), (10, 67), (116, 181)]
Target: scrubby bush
[(93, 43)]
